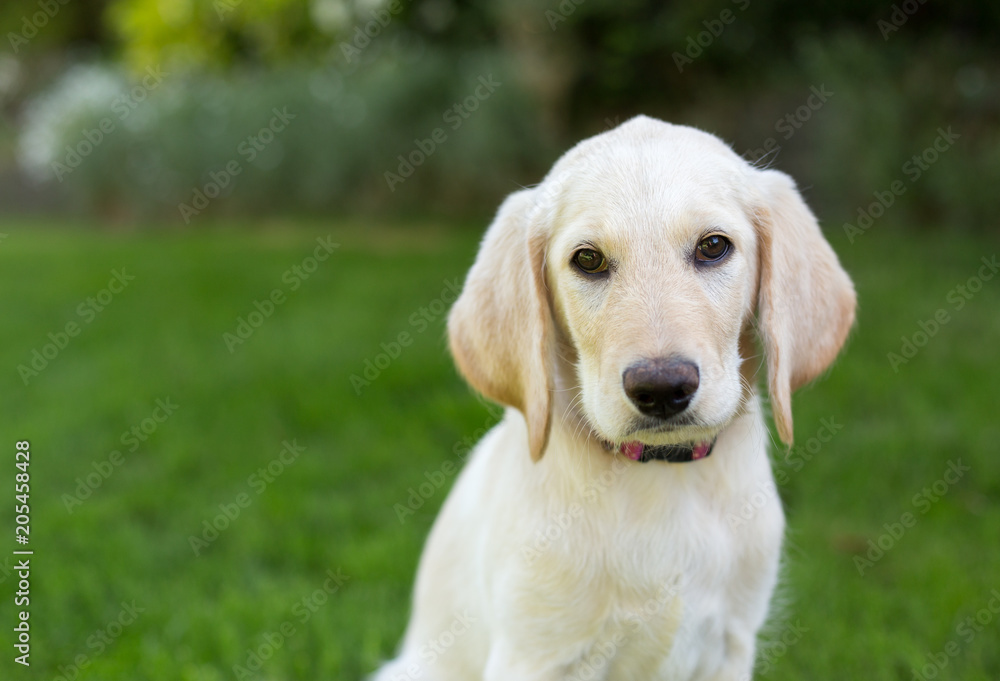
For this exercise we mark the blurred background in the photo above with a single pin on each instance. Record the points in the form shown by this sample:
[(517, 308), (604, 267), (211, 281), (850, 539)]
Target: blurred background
[(230, 231)]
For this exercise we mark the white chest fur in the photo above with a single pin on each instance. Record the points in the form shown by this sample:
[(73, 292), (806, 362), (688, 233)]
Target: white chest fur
[(599, 567)]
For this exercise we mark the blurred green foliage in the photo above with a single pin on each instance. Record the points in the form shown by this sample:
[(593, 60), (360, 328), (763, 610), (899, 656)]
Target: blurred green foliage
[(202, 133), (221, 32), (371, 81)]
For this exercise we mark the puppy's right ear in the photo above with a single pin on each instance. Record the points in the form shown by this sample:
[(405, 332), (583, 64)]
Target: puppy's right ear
[(500, 328)]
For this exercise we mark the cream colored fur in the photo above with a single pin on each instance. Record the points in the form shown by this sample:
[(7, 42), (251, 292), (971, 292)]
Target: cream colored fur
[(554, 557)]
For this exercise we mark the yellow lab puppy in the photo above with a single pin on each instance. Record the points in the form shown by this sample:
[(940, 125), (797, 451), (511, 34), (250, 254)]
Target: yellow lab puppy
[(615, 309)]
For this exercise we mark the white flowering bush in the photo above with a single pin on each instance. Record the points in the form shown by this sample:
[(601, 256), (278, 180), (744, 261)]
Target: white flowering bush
[(406, 126)]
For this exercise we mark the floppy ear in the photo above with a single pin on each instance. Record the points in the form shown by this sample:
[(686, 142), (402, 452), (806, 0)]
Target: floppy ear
[(500, 328), (806, 301)]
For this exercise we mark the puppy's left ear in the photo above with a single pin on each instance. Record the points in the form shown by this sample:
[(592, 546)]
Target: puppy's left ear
[(806, 301), (500, 328)]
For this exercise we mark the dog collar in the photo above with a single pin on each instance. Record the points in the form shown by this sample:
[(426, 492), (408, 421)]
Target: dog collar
[(637, 451)]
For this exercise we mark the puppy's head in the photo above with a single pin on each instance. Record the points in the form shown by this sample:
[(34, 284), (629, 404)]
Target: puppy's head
[(640, 262)]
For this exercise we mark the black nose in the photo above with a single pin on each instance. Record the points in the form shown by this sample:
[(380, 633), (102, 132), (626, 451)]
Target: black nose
[(661, 387)]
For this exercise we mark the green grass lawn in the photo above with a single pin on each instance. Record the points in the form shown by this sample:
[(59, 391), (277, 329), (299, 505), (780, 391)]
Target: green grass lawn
[(118, 592)]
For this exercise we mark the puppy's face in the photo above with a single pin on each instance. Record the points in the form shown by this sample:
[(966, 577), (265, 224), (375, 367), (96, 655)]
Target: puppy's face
[(640, 262), (652, 265)]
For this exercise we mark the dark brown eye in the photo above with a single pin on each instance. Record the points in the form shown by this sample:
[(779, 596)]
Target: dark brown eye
[(712, 248), (590, 261)]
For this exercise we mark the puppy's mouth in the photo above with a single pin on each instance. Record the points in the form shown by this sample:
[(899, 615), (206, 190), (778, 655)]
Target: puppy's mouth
[(679, 453)]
